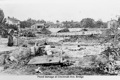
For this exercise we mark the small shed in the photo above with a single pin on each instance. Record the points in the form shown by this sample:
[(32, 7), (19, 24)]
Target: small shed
[(37, 26)]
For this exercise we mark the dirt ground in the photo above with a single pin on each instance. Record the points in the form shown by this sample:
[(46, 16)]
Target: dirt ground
[(4, 47), (72, 50)]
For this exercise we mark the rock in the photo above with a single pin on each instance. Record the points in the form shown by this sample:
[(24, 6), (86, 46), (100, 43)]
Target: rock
[(20, 53)]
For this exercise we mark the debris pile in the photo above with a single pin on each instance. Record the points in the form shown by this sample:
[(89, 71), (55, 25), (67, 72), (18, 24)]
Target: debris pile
[(112, 56)]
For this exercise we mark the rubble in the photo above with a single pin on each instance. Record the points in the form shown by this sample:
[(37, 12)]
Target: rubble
[(20, 53), (85, 56), (38, 70)]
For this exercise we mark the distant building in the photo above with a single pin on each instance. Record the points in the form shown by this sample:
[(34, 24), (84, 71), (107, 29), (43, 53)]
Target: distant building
[(37, 26), (12, 21), (112, 24)]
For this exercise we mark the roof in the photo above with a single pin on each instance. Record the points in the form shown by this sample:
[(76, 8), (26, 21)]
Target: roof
[(13, 20)]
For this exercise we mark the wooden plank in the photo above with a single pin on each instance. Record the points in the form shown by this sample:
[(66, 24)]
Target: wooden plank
[(44, 59)]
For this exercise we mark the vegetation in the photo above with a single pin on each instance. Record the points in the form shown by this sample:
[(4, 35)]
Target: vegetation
[(29, 22), (71, 24), (45, 31), (27, 33), (84, 23), (88, 23), (25, 24)]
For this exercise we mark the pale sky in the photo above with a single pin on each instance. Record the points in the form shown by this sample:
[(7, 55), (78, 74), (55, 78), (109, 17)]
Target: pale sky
[(52, 10)]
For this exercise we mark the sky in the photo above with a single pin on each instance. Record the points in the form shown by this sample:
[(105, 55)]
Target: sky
[(62, 10)]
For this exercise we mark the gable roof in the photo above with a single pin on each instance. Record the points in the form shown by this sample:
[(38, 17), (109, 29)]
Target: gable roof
[(14, 20)]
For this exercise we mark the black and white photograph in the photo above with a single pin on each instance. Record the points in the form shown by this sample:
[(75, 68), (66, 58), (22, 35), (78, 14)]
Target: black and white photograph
[(64, 38)]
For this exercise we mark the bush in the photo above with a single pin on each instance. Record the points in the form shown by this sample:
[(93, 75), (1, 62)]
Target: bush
[(4, 35), (44, 31), (28, 34), (12, 27)]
